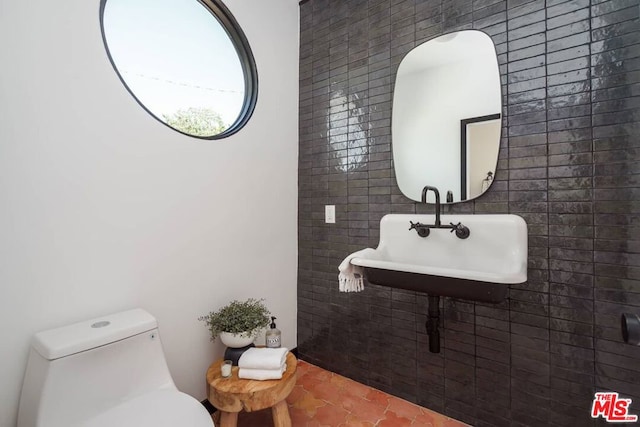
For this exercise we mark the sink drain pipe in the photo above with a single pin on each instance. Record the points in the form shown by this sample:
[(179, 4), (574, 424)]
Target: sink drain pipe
[(433, 323)]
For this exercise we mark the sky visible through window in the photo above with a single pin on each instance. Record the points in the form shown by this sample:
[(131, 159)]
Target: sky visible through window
[(175, 55)]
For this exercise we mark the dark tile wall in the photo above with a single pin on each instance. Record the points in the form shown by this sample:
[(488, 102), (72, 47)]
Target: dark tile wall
[(569, 165)]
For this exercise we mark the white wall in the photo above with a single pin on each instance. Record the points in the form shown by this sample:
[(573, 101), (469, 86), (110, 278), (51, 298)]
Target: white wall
[(102, 208)]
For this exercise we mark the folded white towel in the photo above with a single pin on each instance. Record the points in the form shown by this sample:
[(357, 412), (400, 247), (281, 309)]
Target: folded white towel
[(262, 374), (351, 276), (263, 358)]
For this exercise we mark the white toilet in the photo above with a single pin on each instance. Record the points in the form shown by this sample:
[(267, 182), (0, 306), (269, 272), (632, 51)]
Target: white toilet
[(105, 372)]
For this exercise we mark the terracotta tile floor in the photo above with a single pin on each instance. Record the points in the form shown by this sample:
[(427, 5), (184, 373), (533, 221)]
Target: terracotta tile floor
[(322, 398)]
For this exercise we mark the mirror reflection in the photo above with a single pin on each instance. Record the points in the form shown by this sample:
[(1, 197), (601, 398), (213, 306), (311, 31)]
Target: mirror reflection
[(446, 118)]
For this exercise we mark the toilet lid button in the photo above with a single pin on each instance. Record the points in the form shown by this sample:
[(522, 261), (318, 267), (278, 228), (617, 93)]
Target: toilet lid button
[(101, 324)]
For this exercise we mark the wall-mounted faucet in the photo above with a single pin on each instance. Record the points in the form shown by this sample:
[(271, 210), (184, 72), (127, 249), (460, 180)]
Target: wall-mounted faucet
[(423, 230), (425, 190)]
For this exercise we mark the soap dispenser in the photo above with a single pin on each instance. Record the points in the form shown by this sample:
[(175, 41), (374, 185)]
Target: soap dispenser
[(273, 335)]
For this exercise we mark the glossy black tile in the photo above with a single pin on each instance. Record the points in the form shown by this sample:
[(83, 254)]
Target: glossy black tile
[(568, 165)]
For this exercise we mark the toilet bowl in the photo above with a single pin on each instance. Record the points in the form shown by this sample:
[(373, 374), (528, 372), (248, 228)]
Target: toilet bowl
[(105, 372)]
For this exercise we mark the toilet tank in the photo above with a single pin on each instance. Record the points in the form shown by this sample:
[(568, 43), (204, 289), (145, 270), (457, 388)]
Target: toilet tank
[(78, 371)]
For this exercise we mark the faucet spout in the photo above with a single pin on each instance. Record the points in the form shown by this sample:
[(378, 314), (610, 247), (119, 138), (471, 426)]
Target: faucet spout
[(425, 190)]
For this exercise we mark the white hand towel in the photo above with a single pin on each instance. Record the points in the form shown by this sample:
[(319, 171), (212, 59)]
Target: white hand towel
[(263, 358), (262, 374), (351, 276)]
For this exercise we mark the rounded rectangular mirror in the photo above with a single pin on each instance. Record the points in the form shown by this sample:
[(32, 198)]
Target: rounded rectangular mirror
[(446, 117)]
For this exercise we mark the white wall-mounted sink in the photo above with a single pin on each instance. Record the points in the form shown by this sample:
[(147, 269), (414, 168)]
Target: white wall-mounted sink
[(479, 267)]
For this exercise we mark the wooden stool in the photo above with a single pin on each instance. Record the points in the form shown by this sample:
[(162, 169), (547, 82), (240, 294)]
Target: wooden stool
[(232, 395)]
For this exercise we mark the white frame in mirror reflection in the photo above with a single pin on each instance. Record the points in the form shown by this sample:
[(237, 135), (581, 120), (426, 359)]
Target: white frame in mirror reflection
[(441, 83)]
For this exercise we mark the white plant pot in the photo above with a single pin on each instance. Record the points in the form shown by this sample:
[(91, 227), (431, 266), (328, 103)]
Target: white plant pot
[(237, 340)]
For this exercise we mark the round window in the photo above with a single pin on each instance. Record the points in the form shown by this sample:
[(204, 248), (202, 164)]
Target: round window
[(186, 62)]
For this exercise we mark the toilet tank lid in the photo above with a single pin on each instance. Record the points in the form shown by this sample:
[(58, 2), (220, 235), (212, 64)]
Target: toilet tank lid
[(60, 342)]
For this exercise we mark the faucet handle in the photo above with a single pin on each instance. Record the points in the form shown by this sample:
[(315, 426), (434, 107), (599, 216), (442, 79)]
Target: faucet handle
[(421, 229), (462, 232)]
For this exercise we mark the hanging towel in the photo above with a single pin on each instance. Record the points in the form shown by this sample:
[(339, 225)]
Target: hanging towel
[(351, 276), (263, 358), (262, 374)]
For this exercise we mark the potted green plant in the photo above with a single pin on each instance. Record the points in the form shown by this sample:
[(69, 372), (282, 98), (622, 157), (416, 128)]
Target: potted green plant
[(238, 322)]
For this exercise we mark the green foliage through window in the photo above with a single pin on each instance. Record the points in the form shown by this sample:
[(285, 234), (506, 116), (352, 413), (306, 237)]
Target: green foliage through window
[(196, 121)]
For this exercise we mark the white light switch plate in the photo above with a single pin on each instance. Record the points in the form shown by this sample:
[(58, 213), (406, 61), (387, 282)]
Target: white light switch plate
[(330, 214)]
